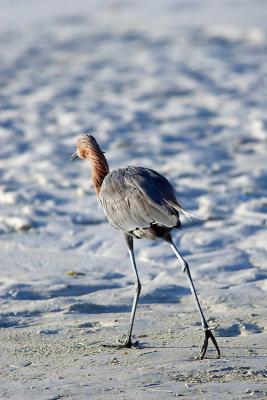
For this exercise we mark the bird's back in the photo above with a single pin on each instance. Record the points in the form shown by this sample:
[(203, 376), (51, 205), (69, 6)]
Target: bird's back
[(140, 202)]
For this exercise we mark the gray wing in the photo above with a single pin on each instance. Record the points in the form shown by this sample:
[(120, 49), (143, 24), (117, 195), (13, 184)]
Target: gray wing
[(136, 197)]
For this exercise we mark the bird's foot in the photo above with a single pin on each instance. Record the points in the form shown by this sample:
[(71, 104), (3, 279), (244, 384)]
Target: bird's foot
[(127, 344), (208, 335)]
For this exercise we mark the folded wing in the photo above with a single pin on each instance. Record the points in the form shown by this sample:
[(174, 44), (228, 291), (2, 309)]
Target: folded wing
[(135, 198)]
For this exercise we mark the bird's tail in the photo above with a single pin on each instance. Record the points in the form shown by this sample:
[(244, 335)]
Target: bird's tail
[(178, 206), (189, 215)]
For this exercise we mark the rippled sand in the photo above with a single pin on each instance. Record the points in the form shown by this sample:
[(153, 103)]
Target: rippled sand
[(176, 86)]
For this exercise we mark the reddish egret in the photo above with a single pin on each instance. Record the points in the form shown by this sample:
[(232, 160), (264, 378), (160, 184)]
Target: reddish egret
[(142, 204)]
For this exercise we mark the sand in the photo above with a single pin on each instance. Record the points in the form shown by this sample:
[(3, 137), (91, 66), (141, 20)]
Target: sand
[(176, 86)]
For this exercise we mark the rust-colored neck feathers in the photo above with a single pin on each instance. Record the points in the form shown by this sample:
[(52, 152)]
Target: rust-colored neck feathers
[(89, 149)]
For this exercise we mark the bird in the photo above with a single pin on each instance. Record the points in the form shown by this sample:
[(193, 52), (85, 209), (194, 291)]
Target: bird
[(142, 204)]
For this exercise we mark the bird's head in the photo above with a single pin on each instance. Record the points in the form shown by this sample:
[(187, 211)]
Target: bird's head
[(87, 148), (86, 144)]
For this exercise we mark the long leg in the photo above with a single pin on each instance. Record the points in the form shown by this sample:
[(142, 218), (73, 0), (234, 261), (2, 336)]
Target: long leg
[(205, 326), (128, 341)]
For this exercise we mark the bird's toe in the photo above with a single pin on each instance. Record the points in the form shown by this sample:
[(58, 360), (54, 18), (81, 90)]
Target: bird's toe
[(208, 335)]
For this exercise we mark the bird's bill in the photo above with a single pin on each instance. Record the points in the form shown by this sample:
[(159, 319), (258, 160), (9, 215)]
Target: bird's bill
[(74, 156)]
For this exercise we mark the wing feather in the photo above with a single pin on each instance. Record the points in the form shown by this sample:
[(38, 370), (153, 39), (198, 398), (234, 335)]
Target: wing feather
[(135, 197)]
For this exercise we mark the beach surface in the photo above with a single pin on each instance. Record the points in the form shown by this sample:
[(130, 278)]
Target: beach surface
[(176, 86)]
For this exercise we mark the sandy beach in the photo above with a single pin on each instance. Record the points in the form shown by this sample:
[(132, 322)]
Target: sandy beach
[(176, 86)]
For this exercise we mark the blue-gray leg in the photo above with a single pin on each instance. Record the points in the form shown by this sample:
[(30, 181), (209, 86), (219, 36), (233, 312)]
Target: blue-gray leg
[(205, 326), (128, 341)]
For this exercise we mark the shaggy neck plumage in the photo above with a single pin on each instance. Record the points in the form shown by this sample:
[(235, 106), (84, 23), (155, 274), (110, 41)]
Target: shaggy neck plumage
[(99, 166)]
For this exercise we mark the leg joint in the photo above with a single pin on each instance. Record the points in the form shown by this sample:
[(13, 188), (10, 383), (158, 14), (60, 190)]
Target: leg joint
[(138, 287), (185, 267)]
